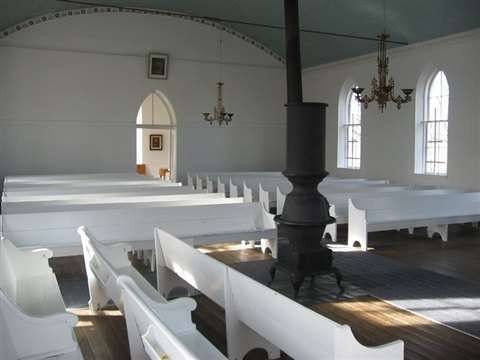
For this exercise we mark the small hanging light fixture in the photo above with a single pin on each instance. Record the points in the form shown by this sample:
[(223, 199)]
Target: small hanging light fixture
[(382, 90), (219, 113)]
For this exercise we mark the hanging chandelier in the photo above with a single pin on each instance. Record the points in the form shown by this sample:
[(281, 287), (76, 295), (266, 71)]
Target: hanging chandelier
[(219, 114), (382, 89)]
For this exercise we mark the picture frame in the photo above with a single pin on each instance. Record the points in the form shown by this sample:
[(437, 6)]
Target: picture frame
[(156, 142), (158, 66)]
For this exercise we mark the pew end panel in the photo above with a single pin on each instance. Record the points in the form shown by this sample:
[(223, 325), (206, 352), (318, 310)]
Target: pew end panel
[(199, 183), (221, 187), (200, 271), (264, 197), (31, 306), (357, 226), (190, 181), (101, 279), (440, 229), (280, 201), (331, 229), (233, 189), (356, 351), (210, 185), (167, 280), (247, 193)]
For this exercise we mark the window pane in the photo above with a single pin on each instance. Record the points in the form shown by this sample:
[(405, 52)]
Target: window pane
[(436, 126), (353, 132)]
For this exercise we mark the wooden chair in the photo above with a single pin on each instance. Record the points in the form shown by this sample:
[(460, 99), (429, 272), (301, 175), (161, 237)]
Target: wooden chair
[(164, 173)]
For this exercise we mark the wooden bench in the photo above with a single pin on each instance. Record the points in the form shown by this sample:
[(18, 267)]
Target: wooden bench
[(200, 224), (339, 201), (167, 190), (68, 178), (87, 189), (117, 203), (435, 212), (35, 324), (162, 330), (86, 182), (259, 317), (155, 326)]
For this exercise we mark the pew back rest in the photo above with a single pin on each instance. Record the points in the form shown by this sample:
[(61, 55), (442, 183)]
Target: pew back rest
[(86, 189), (127, 225), (165, 328), (161, 191), (116, 203), (425, 212), (108, 263), (259, 307), (17, 267), (410, 200), (375, 199), (91, 183), (199, 270)]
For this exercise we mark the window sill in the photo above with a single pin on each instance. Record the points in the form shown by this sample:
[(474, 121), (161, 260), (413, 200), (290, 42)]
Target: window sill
[(347, 168), (431, 175)]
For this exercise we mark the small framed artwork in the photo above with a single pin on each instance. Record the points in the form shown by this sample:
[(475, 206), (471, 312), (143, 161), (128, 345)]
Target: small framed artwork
[(156, 142), (158, 66)]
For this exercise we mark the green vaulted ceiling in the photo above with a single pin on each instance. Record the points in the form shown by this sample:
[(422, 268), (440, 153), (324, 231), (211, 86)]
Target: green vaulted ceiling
[(407, 20)]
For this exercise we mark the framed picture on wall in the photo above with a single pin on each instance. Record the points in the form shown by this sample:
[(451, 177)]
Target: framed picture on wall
[(156, 142), (158, 66)]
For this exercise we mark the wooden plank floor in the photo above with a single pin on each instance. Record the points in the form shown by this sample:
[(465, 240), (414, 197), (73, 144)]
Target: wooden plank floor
[(102, 336), (373, 321)]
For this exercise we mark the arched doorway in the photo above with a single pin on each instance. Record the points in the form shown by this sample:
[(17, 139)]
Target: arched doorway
[(156, 136)]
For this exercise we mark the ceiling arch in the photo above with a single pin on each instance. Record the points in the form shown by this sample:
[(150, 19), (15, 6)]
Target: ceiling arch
[(407, 21), (112, 10)]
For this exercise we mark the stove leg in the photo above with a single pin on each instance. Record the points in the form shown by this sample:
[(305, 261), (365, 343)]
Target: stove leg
[(339, 277), (273, 271), (297, 281)]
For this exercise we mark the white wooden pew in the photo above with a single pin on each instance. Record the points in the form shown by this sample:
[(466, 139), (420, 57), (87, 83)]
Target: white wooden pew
[(87, 189), (339, 201), (155, 326), (117, 203), (257, 316), (63, 178), (161, 191), (35, 324), (435, 212), (270, 184), (200, 224), (162, 330), (84, 183)]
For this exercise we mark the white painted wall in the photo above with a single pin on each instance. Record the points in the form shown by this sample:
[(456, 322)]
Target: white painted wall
[(71, 89), (388, 138)]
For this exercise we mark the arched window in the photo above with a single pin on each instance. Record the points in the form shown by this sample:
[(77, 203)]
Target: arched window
[(435, 125), (353, 133), (350, 129)]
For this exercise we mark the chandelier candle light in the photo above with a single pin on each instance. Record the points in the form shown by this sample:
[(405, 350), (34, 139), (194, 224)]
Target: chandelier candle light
[(382, 90), (219, 113)]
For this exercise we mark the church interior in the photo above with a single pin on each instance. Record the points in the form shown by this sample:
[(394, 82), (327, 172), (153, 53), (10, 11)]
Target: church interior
[(239, 179)]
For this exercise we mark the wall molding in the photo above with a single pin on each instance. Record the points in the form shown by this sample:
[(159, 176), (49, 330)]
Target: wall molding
[(131, 124), (55, 15), (441, 41), (140, 56)]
